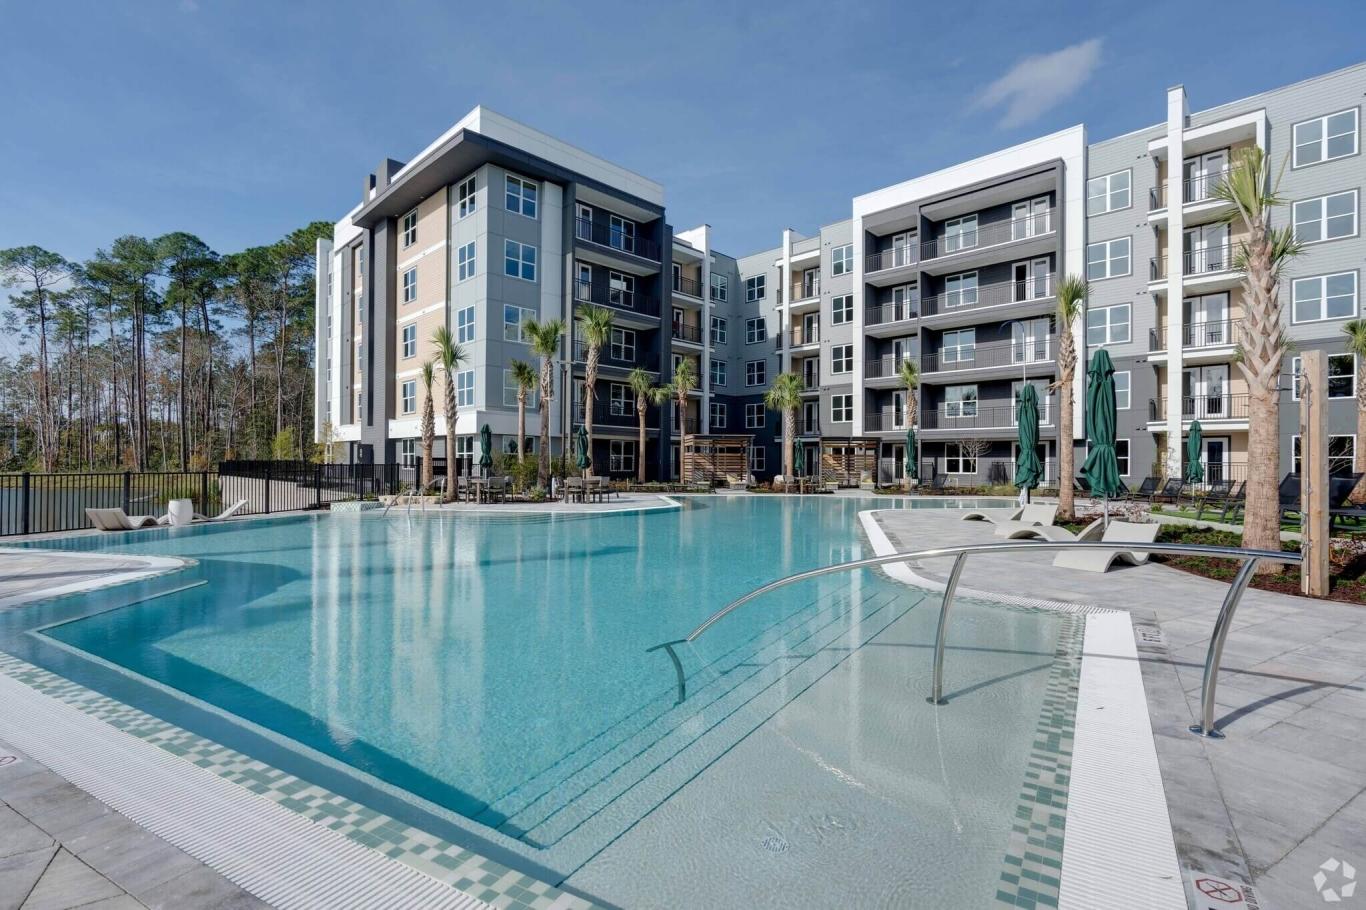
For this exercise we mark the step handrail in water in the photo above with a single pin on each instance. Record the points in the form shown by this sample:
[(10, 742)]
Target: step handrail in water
[(1249, 558)]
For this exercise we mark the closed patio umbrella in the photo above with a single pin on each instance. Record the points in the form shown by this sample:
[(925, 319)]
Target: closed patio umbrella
[(912, 465), (485, 448), (799, 459), (1101, 467), (1195, 471), (1028, 469), (582, 458)]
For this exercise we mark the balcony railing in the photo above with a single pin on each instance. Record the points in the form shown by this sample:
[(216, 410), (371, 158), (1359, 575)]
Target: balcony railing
[(987, 235), (685, 332), (882, 367), (1205, 334), (806, 289), (689, 286), (991, 354), (888, 313), (893, 258), (811, 374), (1195, 262), (690, 425), (616, 238), (885, 421), (803, 335), (1193, 189), (808, 427), (1203, 407), (624, 358), (636, 302), (970, 415), (612, 413), (1004, 292)]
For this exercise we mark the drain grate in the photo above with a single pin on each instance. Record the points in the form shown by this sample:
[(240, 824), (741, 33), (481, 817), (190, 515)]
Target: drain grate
[(1150, 637)]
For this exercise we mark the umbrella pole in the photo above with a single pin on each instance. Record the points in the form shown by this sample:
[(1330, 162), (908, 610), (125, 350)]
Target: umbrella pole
[(1106, 500)]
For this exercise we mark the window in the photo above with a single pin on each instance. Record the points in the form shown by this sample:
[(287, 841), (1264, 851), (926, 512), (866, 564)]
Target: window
[(1341, 454), (521, 196), (758, 458), (621, 290), (514, 317), (959, 458), (960, 234), (1107, 259), (1326, 138), (1109, 193), (959, 347), (621, 233), (842, 358), (409, 396), (718, 415), (465, 264), (410, 229), (756, 330), (519, 260), (842, 259), (407, 452), (410, 285), (960, 290), (841, 408), (718, 330), (464, 447), (754, 416), (1123, 396), (464, 324), (718, 373), (1326, 217), (464, 388), (1324, 297), (410, 340), (842, 309), (510, 392), (623, 345), (960, 401), (755, 288), (1107, 325), (1342, 376), (718, 286), (464, 195), (756, 372), (621, 456)]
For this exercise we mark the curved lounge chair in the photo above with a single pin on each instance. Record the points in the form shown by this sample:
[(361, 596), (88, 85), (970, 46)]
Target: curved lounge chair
[(1090, 533), (995, 516), (1102, 560), (1030, 516), (119, 520), (226, 513)]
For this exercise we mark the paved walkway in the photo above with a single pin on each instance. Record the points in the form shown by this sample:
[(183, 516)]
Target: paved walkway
[(62, 848), (1286, 790), (27, 574)]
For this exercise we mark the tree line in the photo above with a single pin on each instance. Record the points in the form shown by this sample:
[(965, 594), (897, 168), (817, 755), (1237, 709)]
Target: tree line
[(159, 354)]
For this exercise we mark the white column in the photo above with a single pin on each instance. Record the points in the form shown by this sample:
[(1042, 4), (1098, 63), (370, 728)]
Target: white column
[(1178, 111), (704, 410)]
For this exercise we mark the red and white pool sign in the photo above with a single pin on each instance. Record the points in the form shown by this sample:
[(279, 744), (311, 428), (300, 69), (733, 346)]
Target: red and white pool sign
[(1211, 893)]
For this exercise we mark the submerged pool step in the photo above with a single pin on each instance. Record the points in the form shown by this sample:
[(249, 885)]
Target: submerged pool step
[(668, 753), (706, 683)]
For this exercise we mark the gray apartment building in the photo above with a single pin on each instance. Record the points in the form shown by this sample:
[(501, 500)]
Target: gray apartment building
[(496, 223)]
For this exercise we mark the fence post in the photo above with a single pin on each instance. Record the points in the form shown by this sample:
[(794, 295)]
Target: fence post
[(127, 491), (25, 501), (267, 509), (204, 492), (317, 486)]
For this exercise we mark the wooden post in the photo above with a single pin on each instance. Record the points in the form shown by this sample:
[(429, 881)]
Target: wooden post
[(1314, 528)]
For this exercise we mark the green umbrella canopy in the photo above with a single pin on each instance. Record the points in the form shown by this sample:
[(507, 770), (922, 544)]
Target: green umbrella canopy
[(911, 466), (1195, 471), (1101, 468), (583, 461), (1028, 469), (485, 447), (799, 459)]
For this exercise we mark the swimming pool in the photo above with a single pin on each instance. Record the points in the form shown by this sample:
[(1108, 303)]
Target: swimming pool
[(493, 672)]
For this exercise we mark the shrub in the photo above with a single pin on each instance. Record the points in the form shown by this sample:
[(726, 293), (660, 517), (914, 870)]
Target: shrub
[(282, 447)]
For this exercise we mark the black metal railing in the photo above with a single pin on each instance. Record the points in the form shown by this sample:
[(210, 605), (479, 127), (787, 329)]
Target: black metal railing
[(893, 258), (1203, 407), (885, 421), (991, 354), (1195, 262), (806, 289), (811, 374), (616, 238), (690, 425), (619, 298), (613, 412), (888, 313), (1201, 187), (33, 503), (625, 358), (690, 287), (1004, 292), (685, 332), (886, 367), (804, 335), (993, 234), (1157, 197), (808, 427), (969, 415), (1203, 334)]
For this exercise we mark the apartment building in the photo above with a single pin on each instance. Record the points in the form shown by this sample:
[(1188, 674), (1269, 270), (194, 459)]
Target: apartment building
[(496, 223)]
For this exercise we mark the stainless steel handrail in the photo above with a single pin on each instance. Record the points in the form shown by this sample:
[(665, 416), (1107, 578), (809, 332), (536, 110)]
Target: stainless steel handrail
[(1217, 638)]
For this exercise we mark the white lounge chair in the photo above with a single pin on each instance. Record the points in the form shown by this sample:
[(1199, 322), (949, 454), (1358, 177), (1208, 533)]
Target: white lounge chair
[(1058, 534), (1089, 560), (118, 520), (1031, 515), (226, 513), (995, 516)]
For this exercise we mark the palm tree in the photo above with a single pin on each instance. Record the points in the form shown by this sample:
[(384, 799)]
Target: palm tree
[(595, 324), (545, 344), (644, 388), (684, 381), (1260, 335), (785, 396), (1071, 298), (909, 374), (451, 356), (525, 376), (428, 426), (1356, 345)]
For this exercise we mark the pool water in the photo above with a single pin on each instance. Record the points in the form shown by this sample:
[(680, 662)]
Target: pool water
[(497, 669)]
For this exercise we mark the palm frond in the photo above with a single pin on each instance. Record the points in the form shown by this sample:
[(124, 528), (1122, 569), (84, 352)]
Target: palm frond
[(1356, 337), (595, 324), (785, 394), (1072, 291)]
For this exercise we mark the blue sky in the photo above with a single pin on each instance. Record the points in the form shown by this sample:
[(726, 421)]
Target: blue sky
[(239, 121)]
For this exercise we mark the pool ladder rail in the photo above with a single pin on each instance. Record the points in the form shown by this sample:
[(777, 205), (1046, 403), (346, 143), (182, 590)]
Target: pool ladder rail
[(1213, 658)]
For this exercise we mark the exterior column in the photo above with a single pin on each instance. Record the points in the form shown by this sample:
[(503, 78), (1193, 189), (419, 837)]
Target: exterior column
[(1178, 112), (704, 363)]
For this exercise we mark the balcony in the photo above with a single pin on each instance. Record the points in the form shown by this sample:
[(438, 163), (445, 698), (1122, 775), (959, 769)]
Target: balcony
[(808, 427), (1012, 354), (1040, 224), (612, 413), (1193, 189), (811, 375), (688, 287), (690, 425), (617, 298), (1205, 334), (888, 367), (1208, 261), (682, 331), (888, 314), (971, 415), (803, 335), (621, 358), (885, 421), (895, 258), (806, 289), (1220, 406), (1037, 290), (616, 238)]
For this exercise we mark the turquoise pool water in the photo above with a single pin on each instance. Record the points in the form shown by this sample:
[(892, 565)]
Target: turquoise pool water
[(497, 668)]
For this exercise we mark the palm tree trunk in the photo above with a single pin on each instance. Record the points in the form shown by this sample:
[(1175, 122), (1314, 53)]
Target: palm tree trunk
[(589, 382), (1262, 510), (543, 470), (640, 443), (521, 427), (1066, 452), (789, 438), (1359, 494), (452, 414)]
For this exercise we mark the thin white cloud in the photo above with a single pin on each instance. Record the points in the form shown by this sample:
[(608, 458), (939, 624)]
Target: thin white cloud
[(1040, 82)]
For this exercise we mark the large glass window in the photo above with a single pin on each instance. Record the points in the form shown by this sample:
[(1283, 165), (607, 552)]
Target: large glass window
[(521, 196), (1326, 138), (718, 372), (1326, 217), (960, 290), (410, 229), (1107, 325), (718, 286), (621, 456), (465, 197), (960, 401), (756, 372), (718, 330), (410, 340), (510, 390), (842, 259), (755, 288), (1123, 390), (960, 346), (465, 262), (841, 408), (756, 330), (960, 233), (514, 318), (519, 260), (1108, 193), (464, 324), (409, 396), (1342, 376), (718, 415), (960, 458), (1324, 297), (842, 358), (842, 309), (464, 388), (623, 345), (1341, 454), (754, 416), (410, 285), (1108, 259)]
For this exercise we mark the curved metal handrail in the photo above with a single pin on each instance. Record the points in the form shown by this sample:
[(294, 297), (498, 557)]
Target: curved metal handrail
[(1222, 623)]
